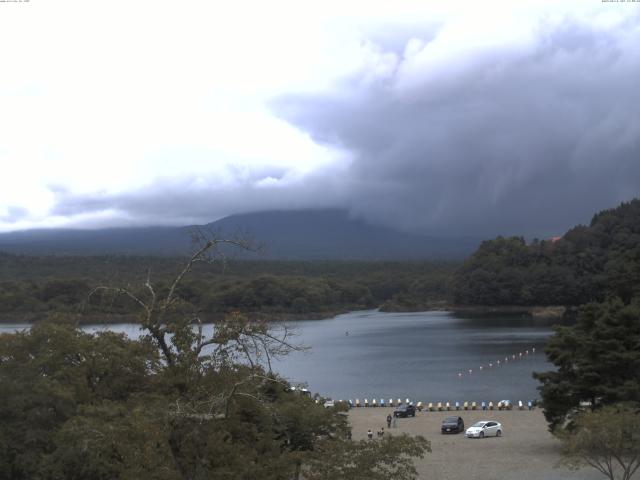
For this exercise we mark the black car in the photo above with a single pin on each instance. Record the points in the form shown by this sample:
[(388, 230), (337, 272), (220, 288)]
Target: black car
[(452, 425), (405, 411)]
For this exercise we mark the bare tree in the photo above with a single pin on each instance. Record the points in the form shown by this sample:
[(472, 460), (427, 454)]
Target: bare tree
[(181, 337)]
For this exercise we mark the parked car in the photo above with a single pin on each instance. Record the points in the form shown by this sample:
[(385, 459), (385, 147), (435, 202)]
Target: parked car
[(405, 410), (505, 405), (452, 425), (485, 428), (329, 403)]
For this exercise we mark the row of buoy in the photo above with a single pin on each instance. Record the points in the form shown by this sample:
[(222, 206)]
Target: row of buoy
[(444, 406), (374, 403), (498, 363)]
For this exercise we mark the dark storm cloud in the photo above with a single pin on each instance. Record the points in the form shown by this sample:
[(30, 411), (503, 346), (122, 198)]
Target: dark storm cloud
[(526, 139), (529, 138)]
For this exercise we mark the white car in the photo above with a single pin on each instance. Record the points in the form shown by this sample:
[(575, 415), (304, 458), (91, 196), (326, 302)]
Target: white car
[(329, 403), (485, 428)]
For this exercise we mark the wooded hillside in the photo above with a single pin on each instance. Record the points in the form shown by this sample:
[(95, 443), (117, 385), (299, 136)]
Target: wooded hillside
[(586, 264)]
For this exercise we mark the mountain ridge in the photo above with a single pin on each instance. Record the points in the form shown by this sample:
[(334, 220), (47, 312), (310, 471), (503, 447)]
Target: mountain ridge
[(287, 234)]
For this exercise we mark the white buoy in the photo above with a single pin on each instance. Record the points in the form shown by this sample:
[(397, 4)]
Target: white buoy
[(480, 367), (490, 365), (460, 375), (470, 371)]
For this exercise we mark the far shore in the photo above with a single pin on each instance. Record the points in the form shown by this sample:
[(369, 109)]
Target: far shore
[(549, 311), (554, 311), (114, 319)]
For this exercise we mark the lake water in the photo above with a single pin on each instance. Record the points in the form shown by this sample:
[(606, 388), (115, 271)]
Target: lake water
[(411, 355)]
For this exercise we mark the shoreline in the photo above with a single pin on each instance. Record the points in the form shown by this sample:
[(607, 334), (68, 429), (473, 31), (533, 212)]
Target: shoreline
[(121, 318), (552, 311), (536, 311)]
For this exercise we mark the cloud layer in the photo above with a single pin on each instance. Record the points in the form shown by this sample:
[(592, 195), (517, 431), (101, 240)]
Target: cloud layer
[(444, 121), (530, 136)]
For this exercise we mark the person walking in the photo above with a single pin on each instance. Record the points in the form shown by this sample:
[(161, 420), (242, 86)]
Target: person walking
[(389, 418), (395, 421), (369, 434)]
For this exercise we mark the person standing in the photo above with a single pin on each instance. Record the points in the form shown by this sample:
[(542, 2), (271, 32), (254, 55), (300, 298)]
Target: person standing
[(369, 434)]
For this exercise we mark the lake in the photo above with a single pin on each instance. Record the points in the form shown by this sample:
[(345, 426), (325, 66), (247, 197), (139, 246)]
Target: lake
[(424, 356)]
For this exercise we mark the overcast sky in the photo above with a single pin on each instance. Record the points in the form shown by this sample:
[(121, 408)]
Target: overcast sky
[(475, 118)]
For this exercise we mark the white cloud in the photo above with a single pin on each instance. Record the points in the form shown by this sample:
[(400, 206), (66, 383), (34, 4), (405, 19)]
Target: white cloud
[(110, 98)]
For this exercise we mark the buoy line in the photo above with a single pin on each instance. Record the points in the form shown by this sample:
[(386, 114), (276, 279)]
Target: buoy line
[(498, 363)]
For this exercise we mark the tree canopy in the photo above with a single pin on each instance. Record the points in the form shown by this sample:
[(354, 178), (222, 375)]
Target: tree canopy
[(607, 440), (597, 361), (587, 264), (33, 287), (175, 404)]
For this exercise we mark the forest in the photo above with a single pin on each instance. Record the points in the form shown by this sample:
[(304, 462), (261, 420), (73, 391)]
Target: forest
[(587, 264), (32, 288)]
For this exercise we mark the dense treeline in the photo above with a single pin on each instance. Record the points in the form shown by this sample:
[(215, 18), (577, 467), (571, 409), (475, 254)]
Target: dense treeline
[(586, 264), (33, 287)]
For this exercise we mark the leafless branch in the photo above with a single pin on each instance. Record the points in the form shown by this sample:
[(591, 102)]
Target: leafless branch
[(119, 291)]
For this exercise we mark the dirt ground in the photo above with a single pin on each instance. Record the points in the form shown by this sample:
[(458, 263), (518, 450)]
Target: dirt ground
[(526, 450)]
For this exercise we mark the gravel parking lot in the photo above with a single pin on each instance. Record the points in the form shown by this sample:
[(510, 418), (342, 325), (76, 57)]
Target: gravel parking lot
[(526, 450)]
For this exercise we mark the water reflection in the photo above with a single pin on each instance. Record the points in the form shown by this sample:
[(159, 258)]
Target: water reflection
[(420, 356)]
